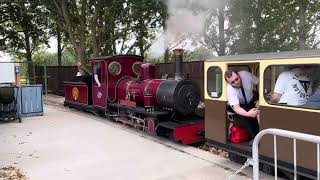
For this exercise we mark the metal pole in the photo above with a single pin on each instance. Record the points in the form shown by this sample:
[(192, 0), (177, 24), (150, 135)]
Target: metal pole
[(275, 157), (34, 72), (318, 163), (295, 158), (255, 156), (45, 79)]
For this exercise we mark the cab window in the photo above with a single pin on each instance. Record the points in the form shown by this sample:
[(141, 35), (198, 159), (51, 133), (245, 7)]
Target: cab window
[(97, 73), (114, 68), (214, 82), (293, 85), (136, 67)]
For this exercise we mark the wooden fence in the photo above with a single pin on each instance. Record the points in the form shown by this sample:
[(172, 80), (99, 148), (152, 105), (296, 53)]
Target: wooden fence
[(58, 74)]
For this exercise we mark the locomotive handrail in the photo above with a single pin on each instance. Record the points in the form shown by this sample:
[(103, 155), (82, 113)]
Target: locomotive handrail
[(283, 133)]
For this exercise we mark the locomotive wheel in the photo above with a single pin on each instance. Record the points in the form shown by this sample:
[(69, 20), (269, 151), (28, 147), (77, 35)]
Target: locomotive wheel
[(236, 158), (151, 126), (267, 169), (101, 113), (232, 157), (136, 125), (171, 137), (290, 175), (6, 120)]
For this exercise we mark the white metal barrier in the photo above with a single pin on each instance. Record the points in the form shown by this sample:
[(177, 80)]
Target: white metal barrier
[(283, 133)]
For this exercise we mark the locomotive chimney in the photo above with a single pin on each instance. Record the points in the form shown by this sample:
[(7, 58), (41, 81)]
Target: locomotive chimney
[(178, 55)]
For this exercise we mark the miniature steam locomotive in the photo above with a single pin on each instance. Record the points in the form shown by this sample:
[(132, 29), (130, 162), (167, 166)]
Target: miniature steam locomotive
[(129, 93)]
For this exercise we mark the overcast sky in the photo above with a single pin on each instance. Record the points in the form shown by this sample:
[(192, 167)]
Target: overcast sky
[(4, 57)]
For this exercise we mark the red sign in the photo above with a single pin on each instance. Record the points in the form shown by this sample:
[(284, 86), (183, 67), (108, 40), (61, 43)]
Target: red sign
[(128, 103)]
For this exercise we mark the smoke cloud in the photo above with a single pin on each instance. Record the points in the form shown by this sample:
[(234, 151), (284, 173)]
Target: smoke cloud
[(184, 26)]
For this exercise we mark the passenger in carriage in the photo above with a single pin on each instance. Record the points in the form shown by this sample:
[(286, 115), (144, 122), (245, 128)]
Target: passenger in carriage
[(292, 87), (241, 99), (314, 101)]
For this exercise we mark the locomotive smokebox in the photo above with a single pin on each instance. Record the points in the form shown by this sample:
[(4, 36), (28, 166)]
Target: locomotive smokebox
[(178, 56), (180, 94)]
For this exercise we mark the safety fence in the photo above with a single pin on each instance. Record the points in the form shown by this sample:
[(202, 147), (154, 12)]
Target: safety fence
[(287, 134), (294, 136)]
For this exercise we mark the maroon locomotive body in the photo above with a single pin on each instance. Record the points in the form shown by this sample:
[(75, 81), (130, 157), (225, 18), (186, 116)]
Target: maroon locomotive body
[(129, 93)]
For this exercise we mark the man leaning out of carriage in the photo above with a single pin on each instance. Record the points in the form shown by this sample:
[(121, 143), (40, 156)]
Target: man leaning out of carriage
[(241, 99)]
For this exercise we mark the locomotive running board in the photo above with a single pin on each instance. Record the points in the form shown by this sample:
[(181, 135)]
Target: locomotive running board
[(139, 110), (83, 107)]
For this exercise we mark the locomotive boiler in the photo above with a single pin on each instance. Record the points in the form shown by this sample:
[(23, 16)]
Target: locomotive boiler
[(179, 94)]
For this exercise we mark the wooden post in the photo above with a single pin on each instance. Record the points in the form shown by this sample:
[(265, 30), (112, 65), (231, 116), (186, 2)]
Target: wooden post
[(45, 79)]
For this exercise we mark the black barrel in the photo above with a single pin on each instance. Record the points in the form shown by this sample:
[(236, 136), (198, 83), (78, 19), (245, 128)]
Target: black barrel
[(182, 96), (7, 94)]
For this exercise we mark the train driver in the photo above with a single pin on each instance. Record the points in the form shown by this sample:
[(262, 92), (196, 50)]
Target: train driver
[(292, 87), (241, 99), (97, 74)]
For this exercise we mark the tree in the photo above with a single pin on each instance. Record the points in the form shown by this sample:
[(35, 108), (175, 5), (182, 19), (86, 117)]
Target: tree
[(45, 58), (270, 26), (50, 59), (198, 54), (241, 26), (23, 28), (214, 32), (147, 17), (96, 28), (308, 24)]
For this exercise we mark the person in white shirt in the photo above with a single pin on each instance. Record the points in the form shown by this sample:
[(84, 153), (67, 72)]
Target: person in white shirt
[(292, 87), (241, 99)]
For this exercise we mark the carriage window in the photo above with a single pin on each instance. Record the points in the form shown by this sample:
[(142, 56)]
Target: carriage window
[(214, 82), (114, 68), (136, 67), (293, 85)]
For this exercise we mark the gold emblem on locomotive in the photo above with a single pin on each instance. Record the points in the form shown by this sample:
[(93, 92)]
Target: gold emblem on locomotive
[(75, 93)]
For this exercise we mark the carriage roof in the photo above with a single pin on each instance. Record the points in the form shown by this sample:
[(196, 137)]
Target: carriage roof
[(106, 58), (268, 56)]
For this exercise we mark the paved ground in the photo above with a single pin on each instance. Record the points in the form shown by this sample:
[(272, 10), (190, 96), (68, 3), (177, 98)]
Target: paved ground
[(67, 144)]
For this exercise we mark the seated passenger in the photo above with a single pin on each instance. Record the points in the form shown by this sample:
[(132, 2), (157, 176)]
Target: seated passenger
[(241, 99), (97, 75), (292, 87), (314, 101)]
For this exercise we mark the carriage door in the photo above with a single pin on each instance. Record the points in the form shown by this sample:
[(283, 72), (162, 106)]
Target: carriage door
[(99, 93)]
